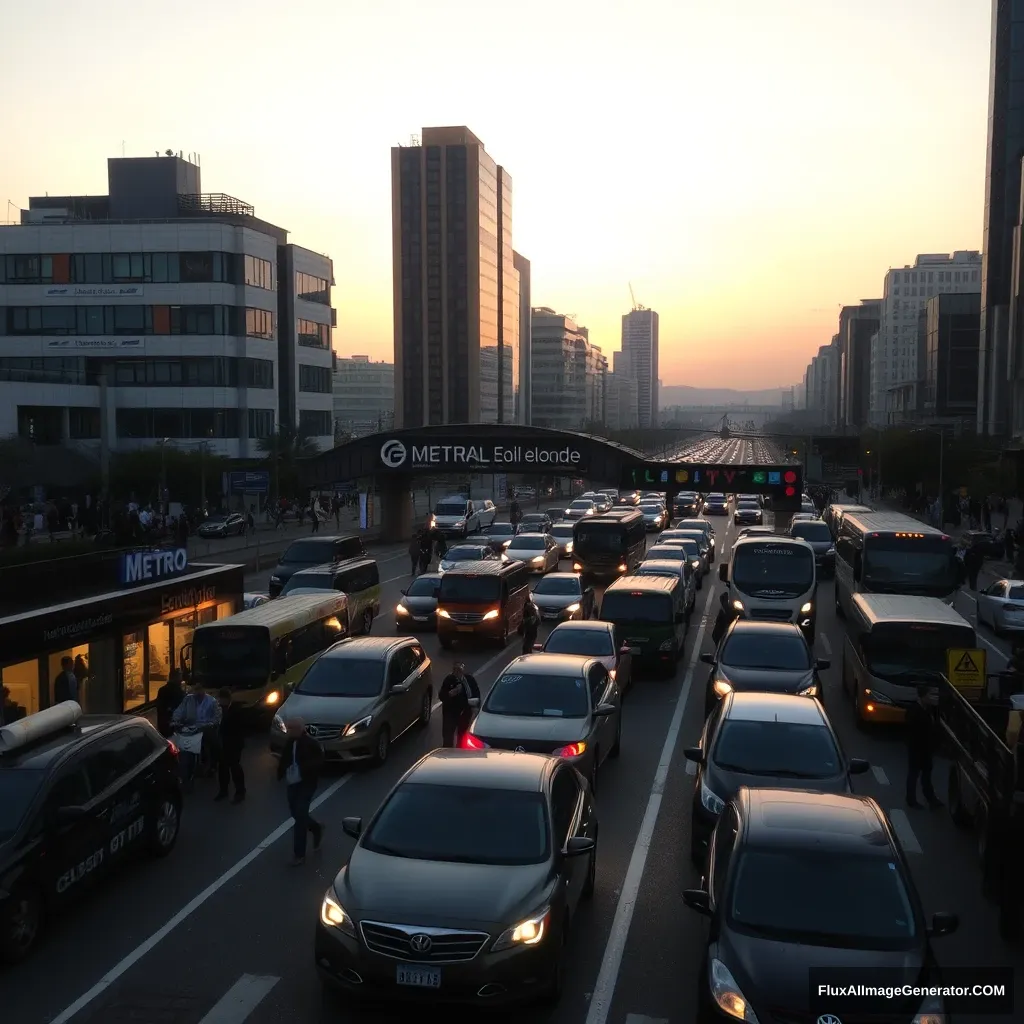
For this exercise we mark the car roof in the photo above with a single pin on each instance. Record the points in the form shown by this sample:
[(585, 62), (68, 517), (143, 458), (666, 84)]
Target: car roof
[(548, 665), (483, 769), (658, 563), (536, 515), (40, 755), (585, 626), (363, 646), (826, 822), (562, 576), (435, 576), (750, 706), (528, 533), (483, 567), (761, 628), (649, 583), (337, 566)]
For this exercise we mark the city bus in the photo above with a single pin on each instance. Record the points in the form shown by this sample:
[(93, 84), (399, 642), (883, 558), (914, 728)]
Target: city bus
[(889, 553), (609, 545), (260, 654)]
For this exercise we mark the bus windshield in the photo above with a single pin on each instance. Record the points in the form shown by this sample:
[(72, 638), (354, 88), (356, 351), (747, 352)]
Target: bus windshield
[(459, 589), (237, 656), (909, 562), (609, 537), (901, 650), (781, 570)]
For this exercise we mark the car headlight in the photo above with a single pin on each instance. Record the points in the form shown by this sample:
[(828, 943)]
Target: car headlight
[(831, 551), (401, 610), (573, 607), (568, 547), (443, 614), (576, 567), (334, 915), (805, 609), (361, 726), (621, 568), (492, 614), (505, 543), (726, 993), (878, 698), (721, 687), (461, 522), (737, 606), (933, 1011), (695, 564), (529, 932), (711, 802), (279, 724), (537, 558), (809, 691), (272, 698)]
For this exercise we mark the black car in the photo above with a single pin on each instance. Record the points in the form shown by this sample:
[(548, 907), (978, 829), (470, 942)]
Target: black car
[(748, 513), (716, 505), (535, 522), (687, 503), (983, 542), (230, 525), (763, 740), (79, 795), (797, 880), (561, 596), (310, 552), (818, 535), (462, 887)]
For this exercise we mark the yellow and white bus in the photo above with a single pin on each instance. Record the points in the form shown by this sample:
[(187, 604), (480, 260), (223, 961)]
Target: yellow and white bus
[(261, 653)]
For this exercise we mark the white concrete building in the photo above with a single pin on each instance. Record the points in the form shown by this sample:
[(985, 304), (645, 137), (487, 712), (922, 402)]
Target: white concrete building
[(364, 395), (157, 312), (894, 356), (568, 373), (640, 346), (621, 403)]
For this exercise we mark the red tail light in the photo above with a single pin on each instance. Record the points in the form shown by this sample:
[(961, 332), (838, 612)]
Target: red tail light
[(572, 750), (471, 742), (172, 748)]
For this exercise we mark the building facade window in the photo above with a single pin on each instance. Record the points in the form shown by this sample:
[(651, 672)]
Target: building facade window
[(313, 289), (136, 319), (137, 268), (177, 423), (260, 423), (83, 424), (260, 323), (316, 379), (194, 371), (315, 423), (313, 335)]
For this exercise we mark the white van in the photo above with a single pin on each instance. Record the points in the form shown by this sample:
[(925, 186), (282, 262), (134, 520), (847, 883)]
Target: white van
[(772, 579), (456, 515)]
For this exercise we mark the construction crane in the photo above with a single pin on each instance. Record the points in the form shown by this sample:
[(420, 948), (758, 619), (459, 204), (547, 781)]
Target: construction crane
[(636, 305)]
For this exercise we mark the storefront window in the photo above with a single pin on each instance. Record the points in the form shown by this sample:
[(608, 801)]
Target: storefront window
[(160, 662), (225, 609), (103, 694), (184, 627), (20, 689), (135, 690), (206, 615), (81, 669)]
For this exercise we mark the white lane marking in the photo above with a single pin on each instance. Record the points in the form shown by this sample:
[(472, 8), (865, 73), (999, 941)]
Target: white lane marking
[(241, 999), (904, 831), (691, 767), (826, 645), (642, 1018), (879, 773), (611, 962), (187, 911)]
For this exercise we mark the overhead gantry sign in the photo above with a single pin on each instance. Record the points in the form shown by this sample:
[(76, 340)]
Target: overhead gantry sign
[(783, 484)]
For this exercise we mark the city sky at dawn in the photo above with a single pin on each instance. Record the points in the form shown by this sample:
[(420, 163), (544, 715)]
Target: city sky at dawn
[(748, 166)]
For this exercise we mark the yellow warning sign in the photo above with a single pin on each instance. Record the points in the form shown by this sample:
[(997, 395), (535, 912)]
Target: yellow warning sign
[(965, 667)]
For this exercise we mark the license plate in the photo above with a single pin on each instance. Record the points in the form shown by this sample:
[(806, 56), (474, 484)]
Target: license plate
[(549, 615), (418, 977), (419, 618), (465, 629)]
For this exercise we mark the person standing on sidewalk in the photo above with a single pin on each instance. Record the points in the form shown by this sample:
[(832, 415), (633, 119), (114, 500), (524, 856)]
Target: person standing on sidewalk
[(300, 764), (414, 554), (973, 561)]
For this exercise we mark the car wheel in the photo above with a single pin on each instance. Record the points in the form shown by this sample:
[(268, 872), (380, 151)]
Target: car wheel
[(20, 923), (164, 831), (382, 747), (590, 884), (617, 747), (426, 709), (366, 623)]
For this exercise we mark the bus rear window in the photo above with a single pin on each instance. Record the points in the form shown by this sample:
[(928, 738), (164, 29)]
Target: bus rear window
[(231, 655), (620, 606)]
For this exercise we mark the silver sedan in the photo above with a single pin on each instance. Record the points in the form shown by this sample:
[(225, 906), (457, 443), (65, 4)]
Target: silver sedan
[(1001, 606), (539, 551)]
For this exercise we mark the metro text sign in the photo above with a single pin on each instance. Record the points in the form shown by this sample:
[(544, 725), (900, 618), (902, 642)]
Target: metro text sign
[(490, 456)]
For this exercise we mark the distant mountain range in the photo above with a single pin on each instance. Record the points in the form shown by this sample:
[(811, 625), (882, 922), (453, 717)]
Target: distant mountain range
[(671, 395)]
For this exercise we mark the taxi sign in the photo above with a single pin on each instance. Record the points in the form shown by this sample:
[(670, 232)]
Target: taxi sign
[(965, 668)]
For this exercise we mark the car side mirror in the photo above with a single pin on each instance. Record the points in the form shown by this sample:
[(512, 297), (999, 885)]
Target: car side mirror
[(69, 815), (858, 766), (404, 592), (624, 650), (694, 754), (604, 710), (708, 659), (352, 827), (699, 900), (943, 924), (822, 664), (723, 572), (578, 846), (538, 648)]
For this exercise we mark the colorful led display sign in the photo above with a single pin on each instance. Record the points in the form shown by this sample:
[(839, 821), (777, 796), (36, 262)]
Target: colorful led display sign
[(783, 484)]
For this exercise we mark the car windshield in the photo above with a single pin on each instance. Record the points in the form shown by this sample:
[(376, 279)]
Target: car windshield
[(671, 553), (607, 537), (816, 532), (459, 589), (748, 506), (529, 544), (538, 695), (902, 650), (650, 506), (562, 586), (780, 749), (784, 651), (588, 643), (226, 655), (502, 530), (692, 524), (583, 503), (623, 606), (308, 552), (691, 547), (778, 570), (465, 553), (851, 901), (333, 676), (534, 517), (450, 508), (424, 587), (462, 825), (309, 581), (18, 788)]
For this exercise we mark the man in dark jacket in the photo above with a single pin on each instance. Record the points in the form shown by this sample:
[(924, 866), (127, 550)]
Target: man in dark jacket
[(168, 697), (921, 742), (232, 740), (531, 625), (300, 764), (973, 561), (459, 695)]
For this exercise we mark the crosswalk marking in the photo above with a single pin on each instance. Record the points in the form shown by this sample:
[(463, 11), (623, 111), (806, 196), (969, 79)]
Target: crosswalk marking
[(241, 999), (879, 773), (904, 830)]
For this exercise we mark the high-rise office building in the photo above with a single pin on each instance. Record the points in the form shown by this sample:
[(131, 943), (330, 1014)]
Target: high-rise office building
[(568, 373), (364, 396), (524, 393), (858, 334), (456, 289), (640, 345), (996, 368)]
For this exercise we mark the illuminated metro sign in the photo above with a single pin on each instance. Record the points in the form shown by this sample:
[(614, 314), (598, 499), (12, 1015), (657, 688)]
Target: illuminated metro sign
[(776, 481)]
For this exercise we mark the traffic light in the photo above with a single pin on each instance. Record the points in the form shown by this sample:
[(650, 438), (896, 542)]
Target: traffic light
[(789, 479)]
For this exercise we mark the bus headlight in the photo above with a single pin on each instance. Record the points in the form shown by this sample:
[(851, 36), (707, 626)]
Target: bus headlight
[(806, 608)]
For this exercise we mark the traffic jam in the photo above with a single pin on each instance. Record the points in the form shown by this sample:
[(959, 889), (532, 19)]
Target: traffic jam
[(642, 755)]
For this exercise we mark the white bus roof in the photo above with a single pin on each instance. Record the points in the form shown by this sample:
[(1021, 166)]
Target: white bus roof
[(293, 610), (890, 522), (931, 611)]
